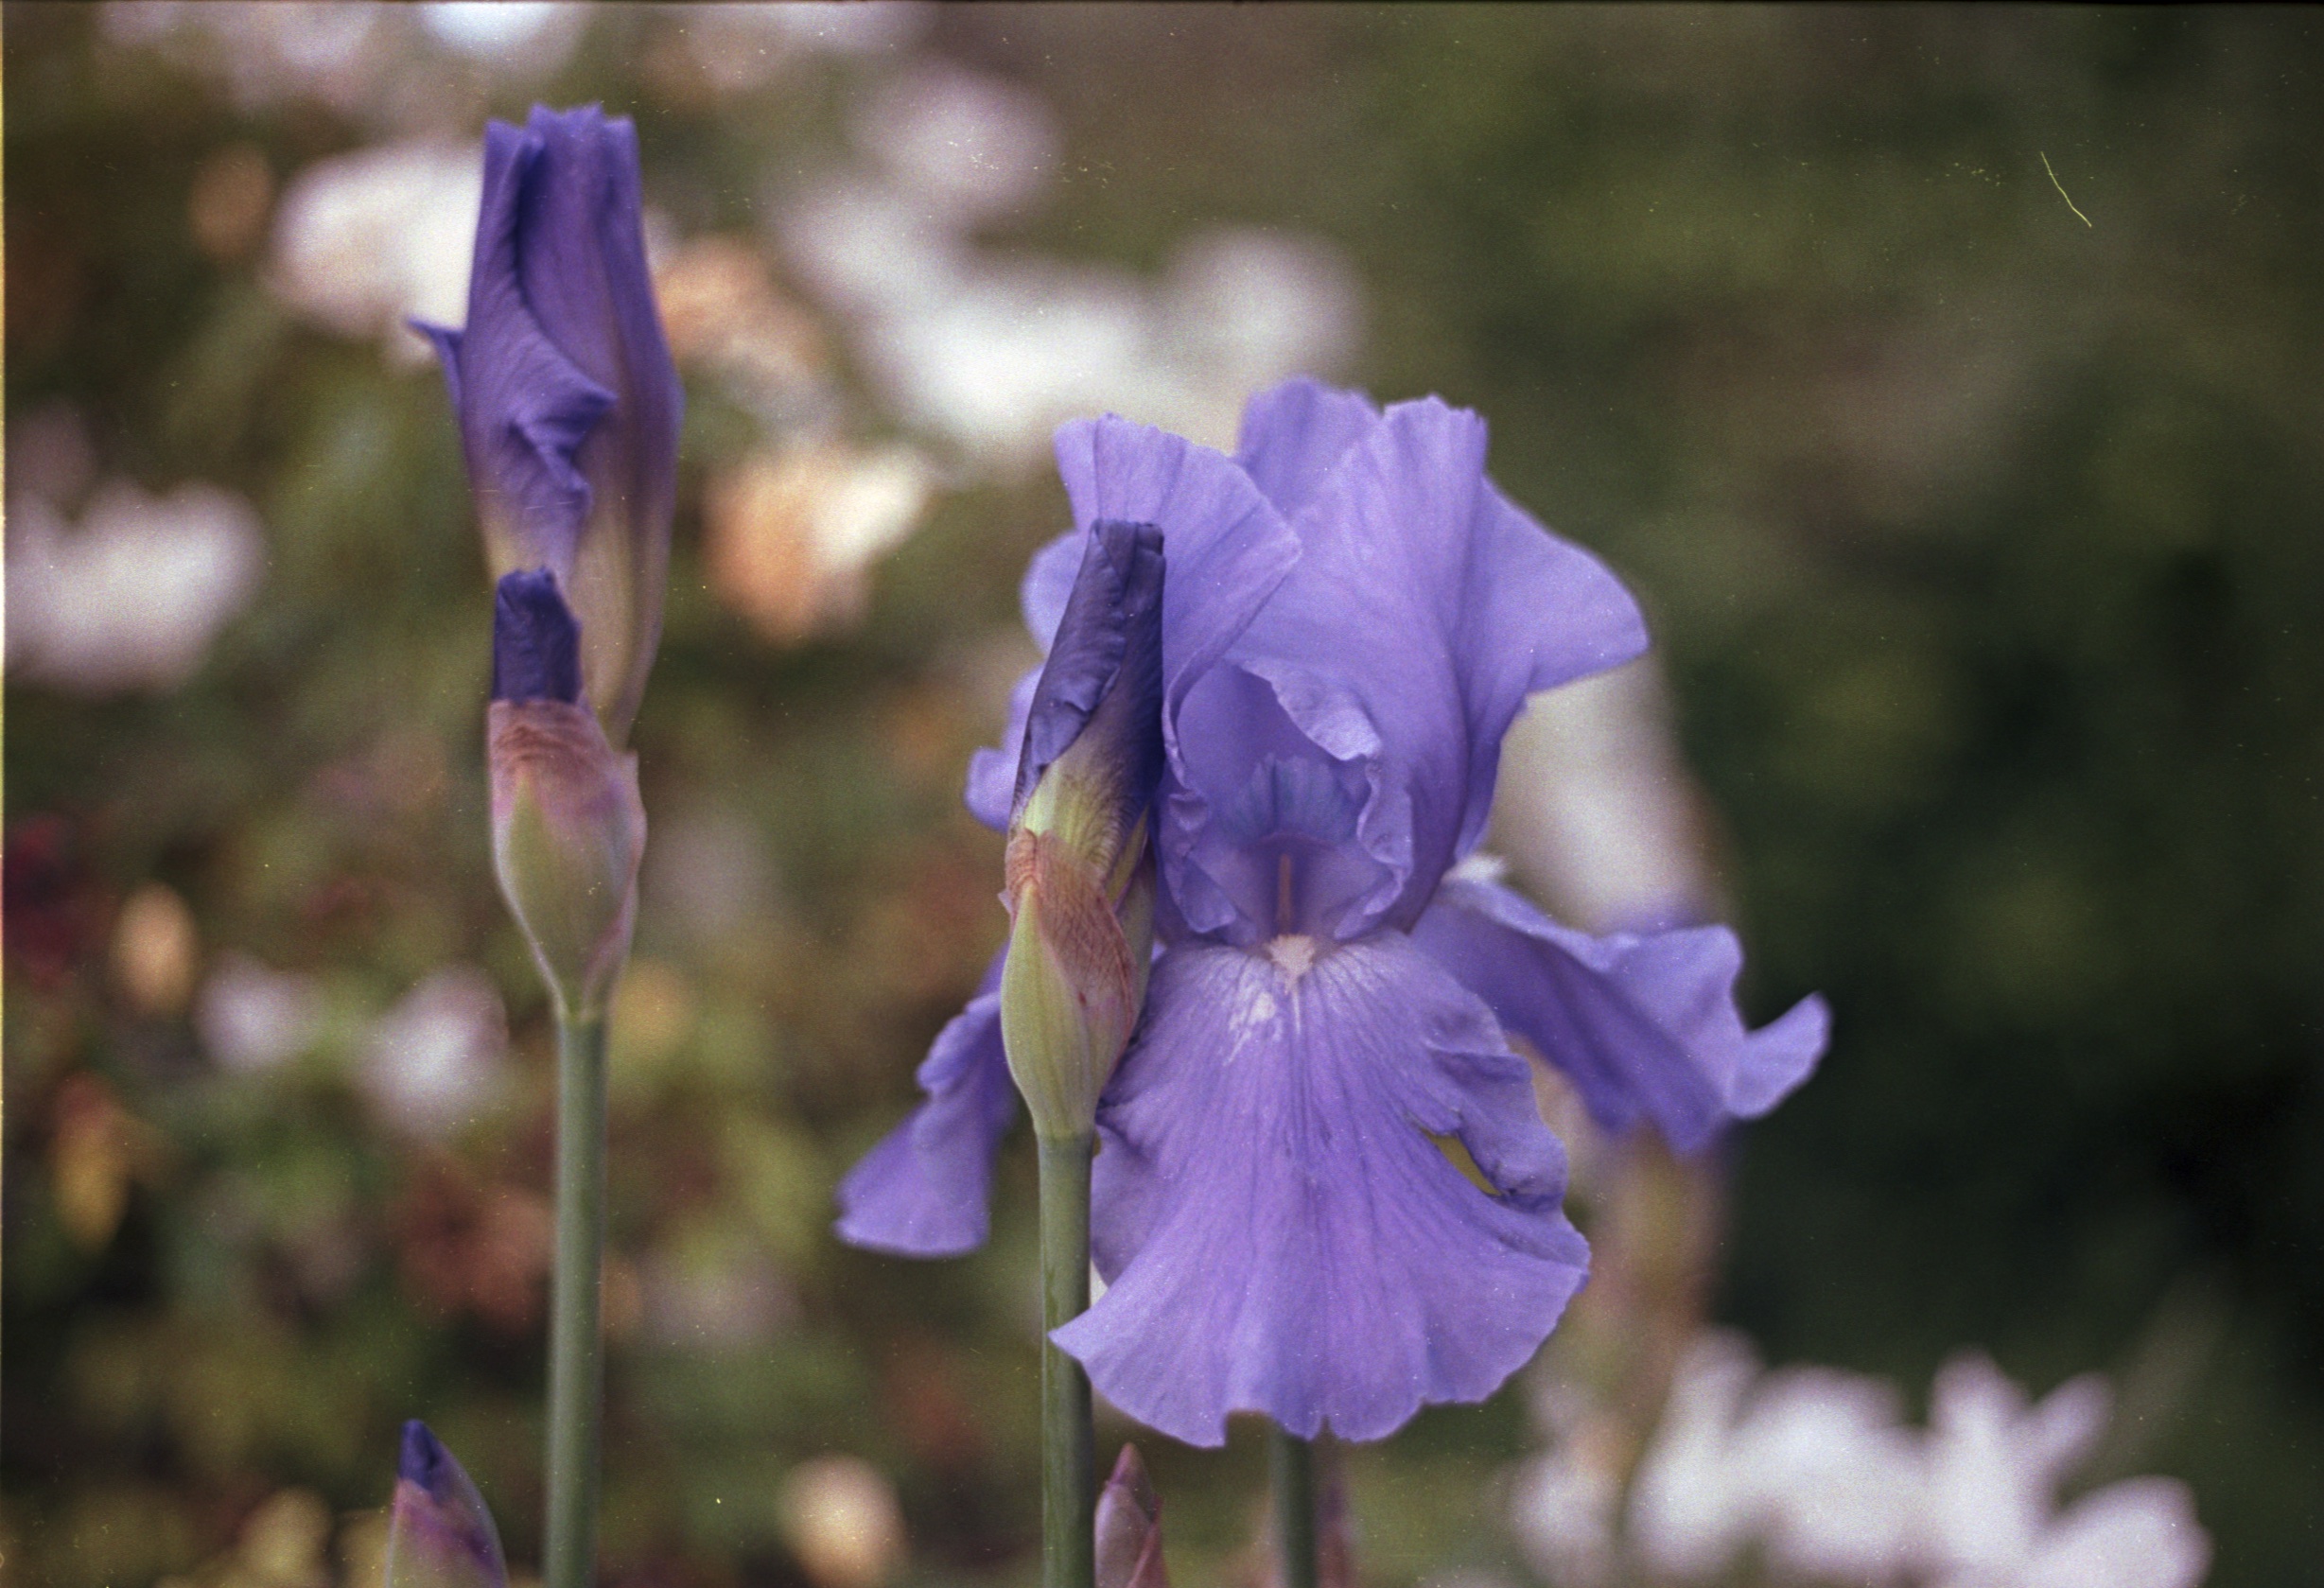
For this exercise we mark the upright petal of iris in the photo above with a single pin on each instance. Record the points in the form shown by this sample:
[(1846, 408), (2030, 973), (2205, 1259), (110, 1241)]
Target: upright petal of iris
[(568, 403), (439, 1533)]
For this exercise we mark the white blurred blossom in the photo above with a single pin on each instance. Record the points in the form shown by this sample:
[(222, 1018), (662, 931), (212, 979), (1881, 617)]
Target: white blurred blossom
[(366, 241), (266, 53), (526, 37), (253, 1019), (1562, 1509), (965, 146), (735, 48), (791, 535), (436, 1058), (841, 1518), (132, 598), (1815, 1470), (991, 349)]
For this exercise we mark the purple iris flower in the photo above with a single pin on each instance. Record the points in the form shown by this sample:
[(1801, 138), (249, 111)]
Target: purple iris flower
[(568, 403), (1353, 616)]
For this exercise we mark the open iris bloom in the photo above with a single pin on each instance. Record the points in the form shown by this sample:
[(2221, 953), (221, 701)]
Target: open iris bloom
[(1353, 616)]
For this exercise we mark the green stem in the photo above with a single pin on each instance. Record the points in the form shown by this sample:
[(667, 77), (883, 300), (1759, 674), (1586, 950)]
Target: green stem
[(1069, 1466), (1291, 1469), (576, 1344)]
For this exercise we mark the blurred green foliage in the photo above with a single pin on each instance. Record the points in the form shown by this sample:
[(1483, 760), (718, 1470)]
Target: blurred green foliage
[(1982, 545)]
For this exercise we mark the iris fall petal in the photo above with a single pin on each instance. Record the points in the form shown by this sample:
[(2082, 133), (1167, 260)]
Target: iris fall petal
[(1279, 1230), (1645, 1026), (924, 1190)]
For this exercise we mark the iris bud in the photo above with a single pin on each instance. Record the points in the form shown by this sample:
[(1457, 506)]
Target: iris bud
[(1080, 873), (568, 826), (439, 1533), (1129, 1546), (568, 404)]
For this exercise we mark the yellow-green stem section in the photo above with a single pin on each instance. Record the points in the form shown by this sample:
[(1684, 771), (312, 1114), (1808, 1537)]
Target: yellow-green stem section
[(576, 1342), (1069, 1467), (1291, 1469)]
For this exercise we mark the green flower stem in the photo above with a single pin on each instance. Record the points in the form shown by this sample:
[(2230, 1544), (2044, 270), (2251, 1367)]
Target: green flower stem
[(1069, 1466), (576, 1342), (1291, 1471)]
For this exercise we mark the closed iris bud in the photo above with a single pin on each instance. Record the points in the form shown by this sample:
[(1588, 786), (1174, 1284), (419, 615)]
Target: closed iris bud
[(568, 404), (439, 1533), (568, 826), (1129, 1541), (1081, 870)]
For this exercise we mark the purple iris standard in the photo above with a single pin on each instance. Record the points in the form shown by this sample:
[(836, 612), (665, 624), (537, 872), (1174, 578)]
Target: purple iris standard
[(1353, 616), (568, 403)]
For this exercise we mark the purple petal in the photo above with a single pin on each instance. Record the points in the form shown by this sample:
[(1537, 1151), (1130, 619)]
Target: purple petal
[(568, 404), (1281, 1233), (1423, 610), (446, 343), (926, 1190), (525, 405), (1048, 584), (991, 791), (1275, 852), (1296, 435), (1103, 677), (1228, 552), (536, 644), (1541, 612), (1228, 549), (440, 1535), (1645, 1026)]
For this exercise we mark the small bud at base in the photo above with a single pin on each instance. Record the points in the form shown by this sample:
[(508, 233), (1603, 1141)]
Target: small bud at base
[(440, 1535), (1129, 1545)]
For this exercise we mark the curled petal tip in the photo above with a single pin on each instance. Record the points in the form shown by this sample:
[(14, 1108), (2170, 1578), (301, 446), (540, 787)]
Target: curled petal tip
[(423, 1457), (440, 1535)]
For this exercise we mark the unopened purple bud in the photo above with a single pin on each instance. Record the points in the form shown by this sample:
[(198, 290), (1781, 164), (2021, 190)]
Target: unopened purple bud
[(568, 404), (1129, 1543), (1080, 877), (1099, 699), (440, 1535), (535, 641)]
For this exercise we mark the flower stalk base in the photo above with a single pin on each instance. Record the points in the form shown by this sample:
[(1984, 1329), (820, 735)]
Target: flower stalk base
[(1291, 1473), (1069, 1465), (576, 1341)]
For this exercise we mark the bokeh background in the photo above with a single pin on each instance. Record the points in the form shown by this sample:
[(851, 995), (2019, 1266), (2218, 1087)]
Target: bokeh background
[(1980, 526)]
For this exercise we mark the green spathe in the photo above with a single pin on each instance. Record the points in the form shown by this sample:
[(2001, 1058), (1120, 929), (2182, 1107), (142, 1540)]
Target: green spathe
[(1081, 902), (568, 829)]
